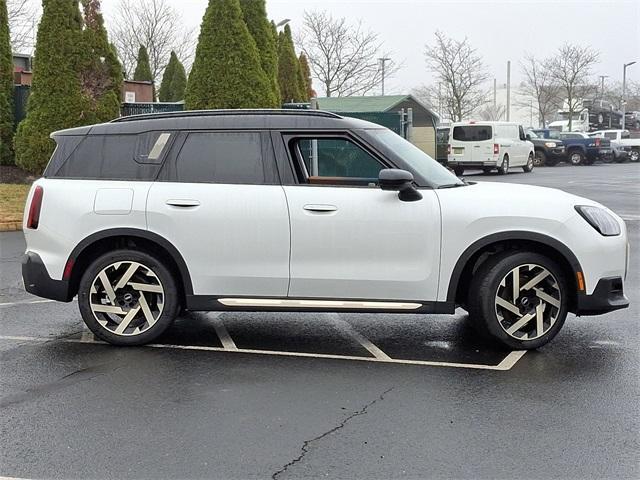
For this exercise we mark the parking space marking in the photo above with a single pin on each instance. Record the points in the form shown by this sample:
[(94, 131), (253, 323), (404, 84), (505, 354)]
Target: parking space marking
[(365, 342), (25, 302), (222, 332), (506, 364)]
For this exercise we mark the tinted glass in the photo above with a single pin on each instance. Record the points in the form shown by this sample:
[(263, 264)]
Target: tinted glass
[(611, 135), (337, 157), (107, 157), (225, 157), (151, 146), (472, 133)]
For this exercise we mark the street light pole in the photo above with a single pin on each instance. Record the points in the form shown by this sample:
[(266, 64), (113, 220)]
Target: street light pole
[(602, 77), (624, 92), (383, 61)]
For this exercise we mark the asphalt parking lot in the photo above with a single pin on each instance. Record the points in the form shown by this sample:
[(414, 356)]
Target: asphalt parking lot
[(344, 396)]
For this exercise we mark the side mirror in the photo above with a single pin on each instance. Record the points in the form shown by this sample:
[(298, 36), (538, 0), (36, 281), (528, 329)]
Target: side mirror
[(400, 181), (527, 136)]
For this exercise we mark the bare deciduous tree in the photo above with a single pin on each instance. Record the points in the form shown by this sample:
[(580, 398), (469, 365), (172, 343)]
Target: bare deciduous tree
[(155, 25), (540, 85), (343, 57), (459, 71), (570, 69), (491, 112), (23, 20)]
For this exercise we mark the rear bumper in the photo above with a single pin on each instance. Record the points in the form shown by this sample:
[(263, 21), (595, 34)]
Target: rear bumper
[(468, 164), (606, 297), (38, 282)]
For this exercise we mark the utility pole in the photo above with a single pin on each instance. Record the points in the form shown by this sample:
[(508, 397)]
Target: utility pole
[(383, 61), (508, 90), (624, 91), (602, 77), (495, 93)]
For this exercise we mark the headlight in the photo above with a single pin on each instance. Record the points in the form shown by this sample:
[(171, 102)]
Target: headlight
[(599, 219), (550, 144)]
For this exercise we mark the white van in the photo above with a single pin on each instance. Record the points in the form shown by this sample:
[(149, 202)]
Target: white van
[(488, 146)]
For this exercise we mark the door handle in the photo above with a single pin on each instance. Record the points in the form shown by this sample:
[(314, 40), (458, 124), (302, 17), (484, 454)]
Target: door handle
[(320, 208), (182, 202)]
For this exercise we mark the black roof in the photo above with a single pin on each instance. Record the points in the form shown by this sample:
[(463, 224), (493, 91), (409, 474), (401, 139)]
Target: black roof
[(223, 119)]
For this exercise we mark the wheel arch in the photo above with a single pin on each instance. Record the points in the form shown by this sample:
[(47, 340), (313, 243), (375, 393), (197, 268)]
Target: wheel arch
[(101, 242), (481, 249)]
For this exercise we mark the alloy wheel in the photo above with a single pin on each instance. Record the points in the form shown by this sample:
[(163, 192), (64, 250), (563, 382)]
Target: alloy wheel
[(126, 298), (634, 155), (575, 159), (528, 302)]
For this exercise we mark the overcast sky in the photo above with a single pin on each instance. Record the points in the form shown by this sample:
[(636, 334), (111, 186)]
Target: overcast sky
[(500, 30)]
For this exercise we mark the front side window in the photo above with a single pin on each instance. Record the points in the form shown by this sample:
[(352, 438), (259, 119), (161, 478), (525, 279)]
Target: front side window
[(611, 135), (221, 157), (336, 158)]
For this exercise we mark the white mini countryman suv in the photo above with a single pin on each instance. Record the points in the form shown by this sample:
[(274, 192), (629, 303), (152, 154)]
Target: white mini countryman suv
[(304, 211)]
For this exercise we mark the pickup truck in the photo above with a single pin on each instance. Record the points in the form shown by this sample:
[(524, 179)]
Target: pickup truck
[(579, 147), (548, 151), (623, 138)]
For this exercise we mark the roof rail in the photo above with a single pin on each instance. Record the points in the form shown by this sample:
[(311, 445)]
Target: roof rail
[(216, 113)]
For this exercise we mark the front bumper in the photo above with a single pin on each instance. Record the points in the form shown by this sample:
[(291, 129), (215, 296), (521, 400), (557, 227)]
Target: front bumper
[(606, 297), (38, 282)]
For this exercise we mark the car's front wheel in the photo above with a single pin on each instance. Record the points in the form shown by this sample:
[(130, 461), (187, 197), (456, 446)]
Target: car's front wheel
[(529, 165), (634, 155), (540, 158), (576, 158), (519, 299), (128, 297)]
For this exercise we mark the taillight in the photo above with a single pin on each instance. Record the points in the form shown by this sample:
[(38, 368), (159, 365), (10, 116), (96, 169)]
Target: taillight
[(449, 149), (34, 209), (597, 142), (496, 149)]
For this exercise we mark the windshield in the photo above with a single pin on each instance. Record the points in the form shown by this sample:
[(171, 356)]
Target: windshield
[(419, 163), (532, 134), (472, 133)]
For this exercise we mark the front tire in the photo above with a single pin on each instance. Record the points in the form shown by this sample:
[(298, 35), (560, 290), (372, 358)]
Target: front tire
[(529, 166), (540, 158), (519, 299), (634, 155), (576, 158), (128, 297)]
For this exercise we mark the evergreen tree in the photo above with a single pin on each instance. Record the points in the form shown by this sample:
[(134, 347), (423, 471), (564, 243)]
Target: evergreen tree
[(178, 83), (165, 94), (6, 89), (226, 72), (56, 100), (101, 75), (308, 90), (288, 68), (255, 16), (142, 72)]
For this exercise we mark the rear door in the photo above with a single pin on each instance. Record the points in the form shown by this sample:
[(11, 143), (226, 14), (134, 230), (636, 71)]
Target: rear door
[(472, 143), (219, 201)]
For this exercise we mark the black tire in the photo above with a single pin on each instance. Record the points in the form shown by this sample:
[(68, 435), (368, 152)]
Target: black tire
[(167, 310), (608, 158), (540, 158), (551, 162), (634, 155), (487, 170), (459, 171), (503, 169), (484, 288), (576, 157), (529, 166)]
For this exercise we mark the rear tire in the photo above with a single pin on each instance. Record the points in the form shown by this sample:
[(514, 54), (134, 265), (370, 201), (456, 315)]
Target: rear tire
[(503, 169), (128, 297), (459, 171), (510, 315), (529, 166)]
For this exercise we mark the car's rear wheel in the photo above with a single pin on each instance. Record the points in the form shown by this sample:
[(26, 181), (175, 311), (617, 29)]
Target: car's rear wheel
[(459, 171), (519, 299), (503, 169), (529, 165), (128, 297), (540, 158)]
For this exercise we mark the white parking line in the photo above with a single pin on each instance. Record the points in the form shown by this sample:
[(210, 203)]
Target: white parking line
[(25, 302), (365, 342), (506, 364), (223, 333)]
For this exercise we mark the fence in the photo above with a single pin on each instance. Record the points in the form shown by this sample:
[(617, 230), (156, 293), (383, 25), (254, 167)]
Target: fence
[(139, 108)]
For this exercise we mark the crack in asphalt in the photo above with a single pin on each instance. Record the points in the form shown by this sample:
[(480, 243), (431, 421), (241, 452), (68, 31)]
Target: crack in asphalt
[(305, 446)]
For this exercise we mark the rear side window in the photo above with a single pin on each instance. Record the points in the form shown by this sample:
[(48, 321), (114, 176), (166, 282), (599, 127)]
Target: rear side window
[(111, 157), (472, 133), (222, 157)]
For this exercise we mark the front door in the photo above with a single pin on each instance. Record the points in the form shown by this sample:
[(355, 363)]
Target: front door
[(351, 240)]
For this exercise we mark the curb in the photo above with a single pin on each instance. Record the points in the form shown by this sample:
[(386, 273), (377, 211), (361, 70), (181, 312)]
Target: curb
[(10, 226)]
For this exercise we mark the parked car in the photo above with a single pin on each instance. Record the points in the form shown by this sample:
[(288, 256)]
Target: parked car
[(579, 147), (292, 210), (546, 150), (623, 138), (489, 146), (620, 152), (632, 120), (442, 144)]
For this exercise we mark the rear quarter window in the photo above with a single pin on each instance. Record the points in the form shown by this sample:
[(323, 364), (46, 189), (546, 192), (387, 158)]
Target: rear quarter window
[(472, 133)]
